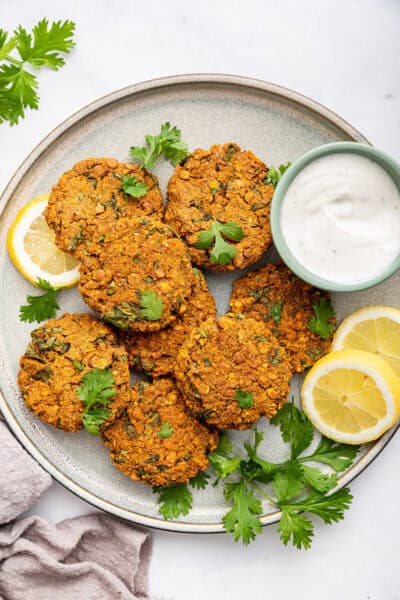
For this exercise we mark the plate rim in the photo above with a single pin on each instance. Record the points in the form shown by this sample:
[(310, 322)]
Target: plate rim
[(16, 178)]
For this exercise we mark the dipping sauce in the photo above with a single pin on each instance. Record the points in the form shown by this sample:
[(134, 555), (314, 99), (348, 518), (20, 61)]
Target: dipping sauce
[(340, 218)]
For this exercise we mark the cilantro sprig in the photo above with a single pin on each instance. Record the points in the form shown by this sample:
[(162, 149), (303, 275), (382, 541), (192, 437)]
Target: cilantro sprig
[(42, 47), (321, 323), (176, 500), (40, 308), (167, 143), (152, 306), (222, 252), (96, 391), (275, 174), (294, 486), (131, 186)]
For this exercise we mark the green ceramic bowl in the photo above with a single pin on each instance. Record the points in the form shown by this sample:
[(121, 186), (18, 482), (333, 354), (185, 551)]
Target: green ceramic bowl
[(385, 161)]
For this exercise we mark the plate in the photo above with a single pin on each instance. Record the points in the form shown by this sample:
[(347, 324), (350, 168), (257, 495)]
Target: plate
[(278, 125)]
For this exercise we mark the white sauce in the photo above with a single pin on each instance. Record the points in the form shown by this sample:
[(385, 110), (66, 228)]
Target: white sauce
[(341, 218)]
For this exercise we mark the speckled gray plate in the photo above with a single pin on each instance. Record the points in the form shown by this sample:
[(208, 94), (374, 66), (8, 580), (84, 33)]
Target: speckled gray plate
[(279, 125)]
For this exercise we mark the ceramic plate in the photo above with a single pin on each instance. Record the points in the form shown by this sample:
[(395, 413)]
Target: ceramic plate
[(278, 125)]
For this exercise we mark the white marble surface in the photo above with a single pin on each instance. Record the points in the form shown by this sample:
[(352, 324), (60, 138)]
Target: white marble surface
[(344, 53)]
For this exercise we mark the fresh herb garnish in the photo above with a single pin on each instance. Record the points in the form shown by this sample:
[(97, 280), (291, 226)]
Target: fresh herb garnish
[(168, 143), (174, 500), (222, 252), (321, 323), (133, 187), (292, 487), (244, 399), (165, 430), (42, 47), (96, 390), (274, 175), (152, 306), (276, 312), (40, 308), (200, 481)]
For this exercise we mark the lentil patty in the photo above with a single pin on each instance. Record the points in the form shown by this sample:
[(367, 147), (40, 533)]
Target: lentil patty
[(155, 352), (275, 290), (157, 440), (234, 353), (139, 255), (61, 352), (88, 199), (222, 184)]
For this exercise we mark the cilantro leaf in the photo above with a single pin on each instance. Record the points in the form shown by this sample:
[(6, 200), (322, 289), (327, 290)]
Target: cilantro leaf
[(274, 175), (222, 252), (165, 430), (168, 143), (321, 322), (276, 311), (133, 187), (244, 399), (288, 482), (329, 508), (174, 501), (47, 43), (224, 445), (200, 481), (152, 306), (338, 456), (295, 428), (322, 482), (296, 528), (224, 465), (18, 86), (40, 308), (95, 391), (242, 519)]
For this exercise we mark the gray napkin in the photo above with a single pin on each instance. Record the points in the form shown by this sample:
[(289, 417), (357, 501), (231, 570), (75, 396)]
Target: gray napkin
[(94, 557)]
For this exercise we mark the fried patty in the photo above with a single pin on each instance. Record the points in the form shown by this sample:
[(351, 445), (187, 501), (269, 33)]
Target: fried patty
[(61, 352), (88, 200), (155, 353), (284, 302), (157, 440), (223, 184), (224, 360), (138, 257)]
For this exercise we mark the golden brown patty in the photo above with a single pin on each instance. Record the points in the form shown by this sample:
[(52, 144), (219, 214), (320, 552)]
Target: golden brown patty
[(276, 291), (61, 352), (88, 200), (223, 360), (155, 353), (223, 184), (157, 440), (138, 257)]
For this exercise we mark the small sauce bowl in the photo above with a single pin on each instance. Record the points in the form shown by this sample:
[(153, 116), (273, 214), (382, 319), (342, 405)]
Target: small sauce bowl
[(391, 167)]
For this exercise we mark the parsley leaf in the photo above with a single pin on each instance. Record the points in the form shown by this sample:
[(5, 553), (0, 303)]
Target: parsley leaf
[(40, 308), (321, 323), (165, 430), (200, 481), (276, 311), (274, 175), (174, 501), (133, 187), (152, 306), (168, 142), (242, 519), (244, 399), (96, 390), (295, 428), (222, 253), (42, 47), (338, 456), (296, 528)]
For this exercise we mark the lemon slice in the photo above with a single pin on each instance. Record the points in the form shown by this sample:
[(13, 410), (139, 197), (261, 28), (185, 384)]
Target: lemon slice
[(31, 246), (375, 329), (351, 396)]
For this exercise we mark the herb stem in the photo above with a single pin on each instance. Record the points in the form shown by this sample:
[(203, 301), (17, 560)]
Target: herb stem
[(262, 493), (14, 60)]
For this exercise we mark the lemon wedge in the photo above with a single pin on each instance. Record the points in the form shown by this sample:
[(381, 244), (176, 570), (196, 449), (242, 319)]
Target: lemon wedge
[(31, 246), (375, 329), (351, 396)]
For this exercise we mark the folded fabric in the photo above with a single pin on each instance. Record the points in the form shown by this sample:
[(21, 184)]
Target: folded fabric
[(94, 557), (22, 480)]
